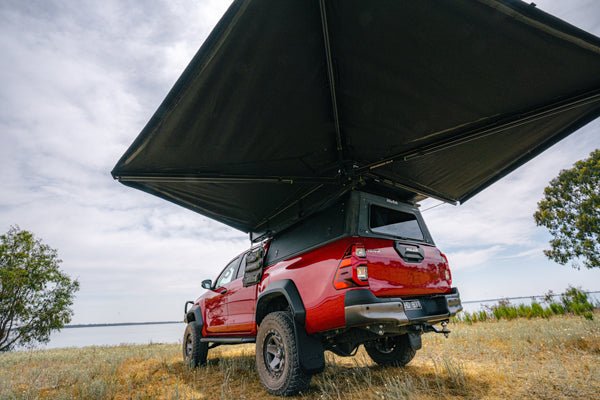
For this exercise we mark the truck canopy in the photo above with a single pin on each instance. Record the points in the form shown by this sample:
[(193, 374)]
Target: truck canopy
[(352, 215), (288, 105)]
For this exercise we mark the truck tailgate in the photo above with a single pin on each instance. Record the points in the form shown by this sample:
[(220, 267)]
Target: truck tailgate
[(401, 268)]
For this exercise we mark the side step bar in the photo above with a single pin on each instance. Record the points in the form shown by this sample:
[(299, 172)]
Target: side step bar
[(228, 340)]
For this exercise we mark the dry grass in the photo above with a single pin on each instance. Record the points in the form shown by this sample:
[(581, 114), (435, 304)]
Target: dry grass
[(533, 359)]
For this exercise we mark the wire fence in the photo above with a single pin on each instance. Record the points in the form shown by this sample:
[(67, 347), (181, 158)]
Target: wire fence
[(592, 294), (533, 297)]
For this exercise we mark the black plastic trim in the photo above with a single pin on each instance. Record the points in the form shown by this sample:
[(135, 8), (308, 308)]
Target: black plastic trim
[(365, 296), (409, 256), (185, 309), (414, 339), (310, 349), (367, 200), (228, 340), (361, 296), (362, 308), (287, 288), (194, 314)]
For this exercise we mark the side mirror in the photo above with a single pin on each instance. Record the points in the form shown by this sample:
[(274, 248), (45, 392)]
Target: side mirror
[(207, 284)]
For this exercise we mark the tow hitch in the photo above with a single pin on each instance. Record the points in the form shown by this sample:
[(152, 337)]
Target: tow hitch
[(443, 330)]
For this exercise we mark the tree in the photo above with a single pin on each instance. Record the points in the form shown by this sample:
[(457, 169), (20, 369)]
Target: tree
[(35, 296), (570, 210)]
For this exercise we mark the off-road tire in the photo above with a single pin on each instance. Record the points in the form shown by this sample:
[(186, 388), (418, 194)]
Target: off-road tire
[(394, 351), (276, 331), (194, 351)]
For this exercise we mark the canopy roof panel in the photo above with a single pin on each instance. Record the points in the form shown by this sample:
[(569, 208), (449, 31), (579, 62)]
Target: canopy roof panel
[(290, 104)]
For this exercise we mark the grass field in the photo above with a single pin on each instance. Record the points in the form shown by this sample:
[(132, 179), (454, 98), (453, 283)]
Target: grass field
[(529, 359)]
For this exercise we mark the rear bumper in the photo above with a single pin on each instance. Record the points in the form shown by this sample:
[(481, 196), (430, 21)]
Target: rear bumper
[(362, 308)]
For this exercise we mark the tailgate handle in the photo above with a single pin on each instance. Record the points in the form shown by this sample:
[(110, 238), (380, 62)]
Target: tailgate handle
[(410, 253)]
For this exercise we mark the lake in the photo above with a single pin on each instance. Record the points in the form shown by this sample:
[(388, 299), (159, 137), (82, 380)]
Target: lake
[(115, 335), (129, 334), (172, 332)]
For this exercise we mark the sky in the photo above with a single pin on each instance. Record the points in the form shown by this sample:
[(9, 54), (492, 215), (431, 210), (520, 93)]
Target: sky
[(80, 79)]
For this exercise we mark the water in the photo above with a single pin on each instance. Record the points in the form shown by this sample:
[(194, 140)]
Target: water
[(171, 333), (115, 335), (137, 334)]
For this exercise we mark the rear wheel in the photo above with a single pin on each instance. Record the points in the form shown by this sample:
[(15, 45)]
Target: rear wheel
[(391, 351), (277, 360), (194, 350)]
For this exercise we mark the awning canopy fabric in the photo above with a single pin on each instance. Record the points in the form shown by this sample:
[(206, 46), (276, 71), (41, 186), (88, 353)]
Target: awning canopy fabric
[(290, 104)]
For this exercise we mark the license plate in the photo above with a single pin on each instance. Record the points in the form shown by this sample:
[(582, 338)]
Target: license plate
[(412, 305)]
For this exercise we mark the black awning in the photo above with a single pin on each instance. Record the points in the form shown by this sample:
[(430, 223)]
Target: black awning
[(289, 104)]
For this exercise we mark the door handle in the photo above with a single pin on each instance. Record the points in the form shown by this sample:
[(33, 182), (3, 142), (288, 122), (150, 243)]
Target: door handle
[(410, 253)]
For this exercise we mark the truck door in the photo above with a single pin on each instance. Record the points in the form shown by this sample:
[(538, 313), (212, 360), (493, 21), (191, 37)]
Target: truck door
[(217, 320), (241, 304)]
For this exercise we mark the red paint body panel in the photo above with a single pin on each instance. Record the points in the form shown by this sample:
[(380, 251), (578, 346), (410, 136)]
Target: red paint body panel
[(230, 310), (241, 307), (233, 313), (391, 276), (214, 309), (312, 273)]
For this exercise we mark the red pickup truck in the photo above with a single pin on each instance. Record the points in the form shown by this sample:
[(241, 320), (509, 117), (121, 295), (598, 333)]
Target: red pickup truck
[(364, 271)]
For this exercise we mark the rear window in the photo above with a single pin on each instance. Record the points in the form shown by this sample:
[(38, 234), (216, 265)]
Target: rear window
[(396, 223)]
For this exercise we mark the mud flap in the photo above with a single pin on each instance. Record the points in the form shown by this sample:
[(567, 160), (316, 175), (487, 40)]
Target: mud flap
[(414, 339), (310, 351)]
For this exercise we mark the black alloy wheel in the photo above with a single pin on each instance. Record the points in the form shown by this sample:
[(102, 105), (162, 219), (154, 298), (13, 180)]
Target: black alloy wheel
[(274, 353), (277, 361), (195, 351)]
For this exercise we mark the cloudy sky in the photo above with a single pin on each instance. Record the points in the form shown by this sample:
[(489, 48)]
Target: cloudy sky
[(79, 79)]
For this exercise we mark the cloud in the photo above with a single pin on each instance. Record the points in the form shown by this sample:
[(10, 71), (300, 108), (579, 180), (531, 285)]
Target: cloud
[(79, 81), (472, 258)]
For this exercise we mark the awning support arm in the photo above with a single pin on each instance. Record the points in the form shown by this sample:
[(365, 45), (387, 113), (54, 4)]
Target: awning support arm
[(221, 178), (499, 125), (331, 76), (427, 192)]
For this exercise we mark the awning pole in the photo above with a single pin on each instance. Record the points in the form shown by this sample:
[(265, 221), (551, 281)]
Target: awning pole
[(332, 88)]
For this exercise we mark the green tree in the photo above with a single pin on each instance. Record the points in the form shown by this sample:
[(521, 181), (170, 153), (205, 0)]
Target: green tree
[(35, 295), (570, 210)]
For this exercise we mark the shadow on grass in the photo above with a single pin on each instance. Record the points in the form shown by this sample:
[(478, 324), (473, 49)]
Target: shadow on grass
[(357, 378), (444, 378)]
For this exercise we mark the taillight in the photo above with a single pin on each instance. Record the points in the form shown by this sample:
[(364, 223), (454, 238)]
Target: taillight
[(362, 273), (447, 274), (359, 252), (353, 270)]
